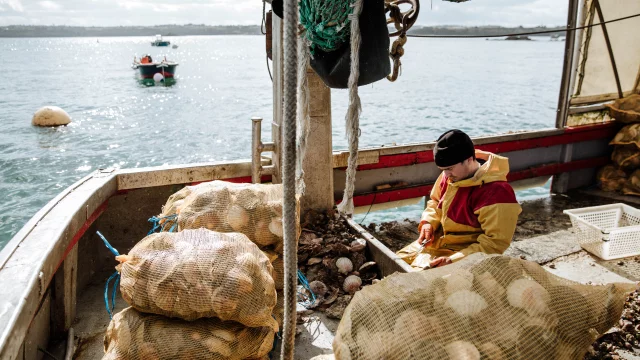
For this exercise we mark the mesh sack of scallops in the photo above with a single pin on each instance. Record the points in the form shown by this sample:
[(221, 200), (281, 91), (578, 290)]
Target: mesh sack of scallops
[(483, 307), (251, 209), (611, 178), (632, 185), (199, 273), (174, 203), (627, 157), (626, 110), (134, 335), (628, 135), (277, 262)]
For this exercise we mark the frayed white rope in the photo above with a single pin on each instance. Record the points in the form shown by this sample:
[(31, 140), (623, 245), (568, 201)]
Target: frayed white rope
[(303, 110), (352, 118)]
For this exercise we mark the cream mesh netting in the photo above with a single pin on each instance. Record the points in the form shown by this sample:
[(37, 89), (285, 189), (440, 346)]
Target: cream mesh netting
[(484, 307), (200, 273), (251, 209), (132, 335)]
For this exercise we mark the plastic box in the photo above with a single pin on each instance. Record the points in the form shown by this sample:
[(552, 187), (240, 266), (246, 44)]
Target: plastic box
[(607, 231)]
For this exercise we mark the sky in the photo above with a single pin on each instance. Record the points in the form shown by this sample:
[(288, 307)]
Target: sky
[(249, 12)]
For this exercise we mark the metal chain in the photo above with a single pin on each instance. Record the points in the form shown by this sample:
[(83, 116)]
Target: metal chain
[(402, 21)]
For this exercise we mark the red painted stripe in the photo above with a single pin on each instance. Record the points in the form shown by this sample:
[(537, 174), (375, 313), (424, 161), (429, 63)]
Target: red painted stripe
[(425, 190), (570, 135), (557, 168), (81, 232)]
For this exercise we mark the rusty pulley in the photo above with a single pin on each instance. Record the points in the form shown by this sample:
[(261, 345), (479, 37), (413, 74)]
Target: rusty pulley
[(402, 21)]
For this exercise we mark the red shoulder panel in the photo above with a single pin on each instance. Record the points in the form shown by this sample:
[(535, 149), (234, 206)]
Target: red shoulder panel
[(469, 199)]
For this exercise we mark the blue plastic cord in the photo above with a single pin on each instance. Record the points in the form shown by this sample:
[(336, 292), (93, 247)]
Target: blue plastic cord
[(106, 243), (303, 281), (155, 220), (115, 275)]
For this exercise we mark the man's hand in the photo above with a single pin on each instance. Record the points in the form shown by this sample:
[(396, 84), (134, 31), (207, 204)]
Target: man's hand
[(426, 234), (440, 261)]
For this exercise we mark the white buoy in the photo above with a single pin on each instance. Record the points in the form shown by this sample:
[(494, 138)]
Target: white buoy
[(157, 77), (50, 116)]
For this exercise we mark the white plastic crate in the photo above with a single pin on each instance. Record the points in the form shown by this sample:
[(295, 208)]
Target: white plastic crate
[(607, 231)]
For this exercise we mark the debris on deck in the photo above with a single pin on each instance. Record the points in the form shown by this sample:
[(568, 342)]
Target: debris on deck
[(332, 257)]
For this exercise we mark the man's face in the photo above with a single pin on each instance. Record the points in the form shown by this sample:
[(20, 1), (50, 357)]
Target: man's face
[(459, 171)]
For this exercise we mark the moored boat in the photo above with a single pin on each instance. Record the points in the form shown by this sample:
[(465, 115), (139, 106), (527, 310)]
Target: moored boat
[(149, 68), (160, 42)]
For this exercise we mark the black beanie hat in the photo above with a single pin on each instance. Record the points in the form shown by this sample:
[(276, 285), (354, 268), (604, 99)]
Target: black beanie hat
[(452, 147)]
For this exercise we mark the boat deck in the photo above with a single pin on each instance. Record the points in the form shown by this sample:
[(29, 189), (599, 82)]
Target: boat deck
[(543, 236)]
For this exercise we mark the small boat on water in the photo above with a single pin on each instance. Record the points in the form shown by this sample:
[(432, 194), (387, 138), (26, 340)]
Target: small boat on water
[(159, 42), (148, 68), (174, 46)]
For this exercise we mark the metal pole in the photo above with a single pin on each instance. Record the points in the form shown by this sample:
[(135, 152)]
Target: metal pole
[(256, 135), (563, 100), (288, 177), (582, 14)]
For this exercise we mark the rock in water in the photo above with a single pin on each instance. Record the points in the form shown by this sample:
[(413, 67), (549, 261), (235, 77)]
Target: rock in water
[(50, 116)]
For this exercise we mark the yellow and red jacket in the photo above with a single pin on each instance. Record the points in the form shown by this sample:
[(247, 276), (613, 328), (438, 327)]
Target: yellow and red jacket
[(478, 214)]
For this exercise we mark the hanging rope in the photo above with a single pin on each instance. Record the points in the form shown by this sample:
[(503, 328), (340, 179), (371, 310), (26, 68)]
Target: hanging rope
[(290, 29), (352, 118), (304, 109)]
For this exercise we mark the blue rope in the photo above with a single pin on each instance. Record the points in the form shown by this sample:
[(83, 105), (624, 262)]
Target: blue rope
[(305, 283), (155, 220), (115, 275), (106, 243)]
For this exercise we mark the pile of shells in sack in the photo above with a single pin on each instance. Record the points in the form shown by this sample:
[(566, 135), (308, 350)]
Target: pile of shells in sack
[(332, 258), (625, 337)]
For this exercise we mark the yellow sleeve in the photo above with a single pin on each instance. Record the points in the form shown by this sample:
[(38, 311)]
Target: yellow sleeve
[(498, 223), (431, 213)]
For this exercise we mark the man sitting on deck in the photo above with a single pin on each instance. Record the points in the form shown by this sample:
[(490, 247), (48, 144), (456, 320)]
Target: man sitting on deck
[(472, 207)]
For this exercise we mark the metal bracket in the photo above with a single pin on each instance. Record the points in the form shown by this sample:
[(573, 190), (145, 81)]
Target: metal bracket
[(257, 148)]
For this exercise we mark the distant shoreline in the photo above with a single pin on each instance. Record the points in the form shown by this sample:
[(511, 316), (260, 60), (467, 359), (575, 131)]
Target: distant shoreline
[(30, 31)]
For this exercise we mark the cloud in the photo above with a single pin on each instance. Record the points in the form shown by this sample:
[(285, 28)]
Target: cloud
[(16, 5), (49, 5), (245, 12)]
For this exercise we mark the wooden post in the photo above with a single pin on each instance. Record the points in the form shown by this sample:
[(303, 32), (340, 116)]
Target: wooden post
[(318, 162), (64, 295), (278, 96)]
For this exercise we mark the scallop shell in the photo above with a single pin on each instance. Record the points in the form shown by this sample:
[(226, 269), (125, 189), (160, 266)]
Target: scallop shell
[(466, 303), (318, 287), (237, 217), (459, 280), (528, 295), (275, 226), (357, 245), (262, 236), (367, 266), (344, 265), (462, 350), (352, 284)]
